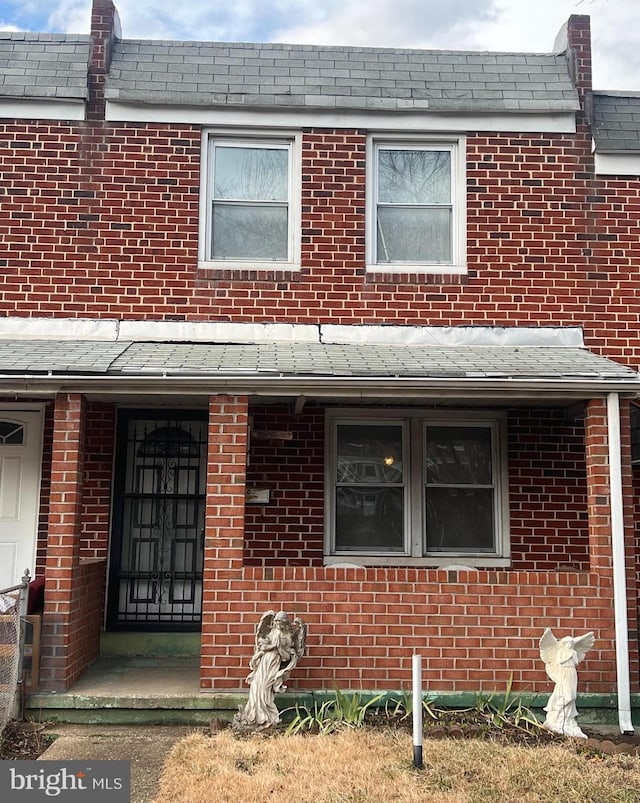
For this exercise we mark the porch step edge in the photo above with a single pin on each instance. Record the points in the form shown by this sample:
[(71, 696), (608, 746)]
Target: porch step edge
[(52, 701), (150, 645)]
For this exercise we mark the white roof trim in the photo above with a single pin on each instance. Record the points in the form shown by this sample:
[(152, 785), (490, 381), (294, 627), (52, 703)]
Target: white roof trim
[(617, 164), (37, 109), (396, 120), (217, 332), (14, 328), (112, 330), (453, 335)]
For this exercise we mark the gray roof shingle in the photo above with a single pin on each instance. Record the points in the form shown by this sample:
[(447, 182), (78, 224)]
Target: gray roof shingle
[(271, 75), (39, 65), (306, 360), (616, 122)]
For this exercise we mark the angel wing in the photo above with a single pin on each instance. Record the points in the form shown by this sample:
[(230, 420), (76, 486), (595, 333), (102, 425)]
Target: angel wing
[(548, 646), (299, 636), (583, 644), (549, 654), (264, 626)]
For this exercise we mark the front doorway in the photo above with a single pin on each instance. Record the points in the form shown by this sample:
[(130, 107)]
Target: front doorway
[(157, 542), (20, 464)]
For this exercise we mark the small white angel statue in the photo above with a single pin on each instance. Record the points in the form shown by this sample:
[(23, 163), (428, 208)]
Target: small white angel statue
[(560, 661), (280, 644)]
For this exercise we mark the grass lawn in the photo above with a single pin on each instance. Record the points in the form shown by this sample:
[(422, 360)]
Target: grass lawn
[(373, 765)]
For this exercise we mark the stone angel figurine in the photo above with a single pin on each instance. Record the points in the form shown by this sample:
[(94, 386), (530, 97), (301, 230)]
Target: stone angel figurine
[(280, 644), (560, 661)]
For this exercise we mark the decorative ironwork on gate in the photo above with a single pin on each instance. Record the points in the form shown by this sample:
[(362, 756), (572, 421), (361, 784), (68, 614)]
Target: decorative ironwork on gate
[(158, 539)]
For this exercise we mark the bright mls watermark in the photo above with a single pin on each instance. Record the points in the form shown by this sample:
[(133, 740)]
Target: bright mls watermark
[(31, 781)]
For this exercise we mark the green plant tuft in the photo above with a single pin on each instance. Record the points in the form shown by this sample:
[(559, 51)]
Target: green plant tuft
[(507, 709), (345, 710)]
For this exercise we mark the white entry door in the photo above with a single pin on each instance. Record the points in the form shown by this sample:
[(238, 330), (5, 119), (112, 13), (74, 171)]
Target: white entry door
[(20, 461)]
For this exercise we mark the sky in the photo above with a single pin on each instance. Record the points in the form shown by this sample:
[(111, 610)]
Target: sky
[(493, 25)]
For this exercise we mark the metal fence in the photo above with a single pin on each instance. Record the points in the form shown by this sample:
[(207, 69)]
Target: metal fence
[(13, 610)]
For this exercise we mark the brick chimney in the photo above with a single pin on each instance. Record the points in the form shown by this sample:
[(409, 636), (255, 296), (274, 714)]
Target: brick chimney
[(574, 39), (105, 29)]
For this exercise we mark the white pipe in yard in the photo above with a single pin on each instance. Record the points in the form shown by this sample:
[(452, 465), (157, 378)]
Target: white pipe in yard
[(416, 667)]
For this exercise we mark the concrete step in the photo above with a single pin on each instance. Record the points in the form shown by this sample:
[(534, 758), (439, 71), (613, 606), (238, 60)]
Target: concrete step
[(150, 645), (132, 710)]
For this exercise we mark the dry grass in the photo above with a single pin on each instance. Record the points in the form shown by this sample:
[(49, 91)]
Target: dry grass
[(372, 766)]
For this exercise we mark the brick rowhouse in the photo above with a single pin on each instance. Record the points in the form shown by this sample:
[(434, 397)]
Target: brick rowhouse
[(99, 220)]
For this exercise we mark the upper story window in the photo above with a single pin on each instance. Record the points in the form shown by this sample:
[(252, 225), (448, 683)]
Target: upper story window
[(416, 488), (250, 212), (416, 214)]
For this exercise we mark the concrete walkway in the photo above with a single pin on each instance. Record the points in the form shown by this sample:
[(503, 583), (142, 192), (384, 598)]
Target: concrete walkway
[(146, 747)]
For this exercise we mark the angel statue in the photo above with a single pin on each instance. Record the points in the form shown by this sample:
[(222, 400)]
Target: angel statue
[(280, 645), (560, 661)]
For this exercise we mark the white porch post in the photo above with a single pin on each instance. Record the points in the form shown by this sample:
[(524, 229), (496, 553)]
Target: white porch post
[(619, 564)]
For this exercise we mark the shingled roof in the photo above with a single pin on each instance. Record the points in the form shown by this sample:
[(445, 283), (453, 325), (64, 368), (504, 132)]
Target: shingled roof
[(292, 76), (616, 122), (353, 361), (44, 65), (276, 75)]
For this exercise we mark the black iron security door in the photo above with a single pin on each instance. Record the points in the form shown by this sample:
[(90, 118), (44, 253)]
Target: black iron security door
[(158, 537)]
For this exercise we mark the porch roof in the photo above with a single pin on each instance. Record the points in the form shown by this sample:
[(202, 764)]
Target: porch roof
[(289, 366)]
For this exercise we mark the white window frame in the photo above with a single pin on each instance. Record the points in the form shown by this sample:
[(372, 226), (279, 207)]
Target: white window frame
[(456, 146), (290, 140), (415, 422)]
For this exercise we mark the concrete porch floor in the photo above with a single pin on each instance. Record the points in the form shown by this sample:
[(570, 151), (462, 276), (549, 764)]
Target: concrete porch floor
[(127, 689), (140, 677)]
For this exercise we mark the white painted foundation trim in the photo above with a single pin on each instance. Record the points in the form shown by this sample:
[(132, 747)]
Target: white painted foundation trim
[(41, 109), (422, 120), (617, 164), (453, 335), (619, 561)]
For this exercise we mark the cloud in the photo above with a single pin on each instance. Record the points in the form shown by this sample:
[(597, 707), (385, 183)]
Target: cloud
[(390, 23), (71, 16)]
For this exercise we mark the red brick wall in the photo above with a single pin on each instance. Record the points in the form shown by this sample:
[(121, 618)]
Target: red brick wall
[(98, 470), (473, 628), (547, 491), (289, 530), (60, 614), (547, 475), (103, 221)]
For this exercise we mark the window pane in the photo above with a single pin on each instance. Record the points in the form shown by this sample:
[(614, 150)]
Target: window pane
[(369, 518), (369, 453), (249, 232), (251, 174), (11, 432), (414, 177), (459, 456), (410, 234), (459, 520)]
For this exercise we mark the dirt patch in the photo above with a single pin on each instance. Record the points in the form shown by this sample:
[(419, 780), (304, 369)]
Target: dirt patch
[(23, 741)]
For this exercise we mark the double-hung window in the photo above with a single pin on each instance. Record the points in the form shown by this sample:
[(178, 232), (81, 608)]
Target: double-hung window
[(416, 215), (416, 488), (251, 204)]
